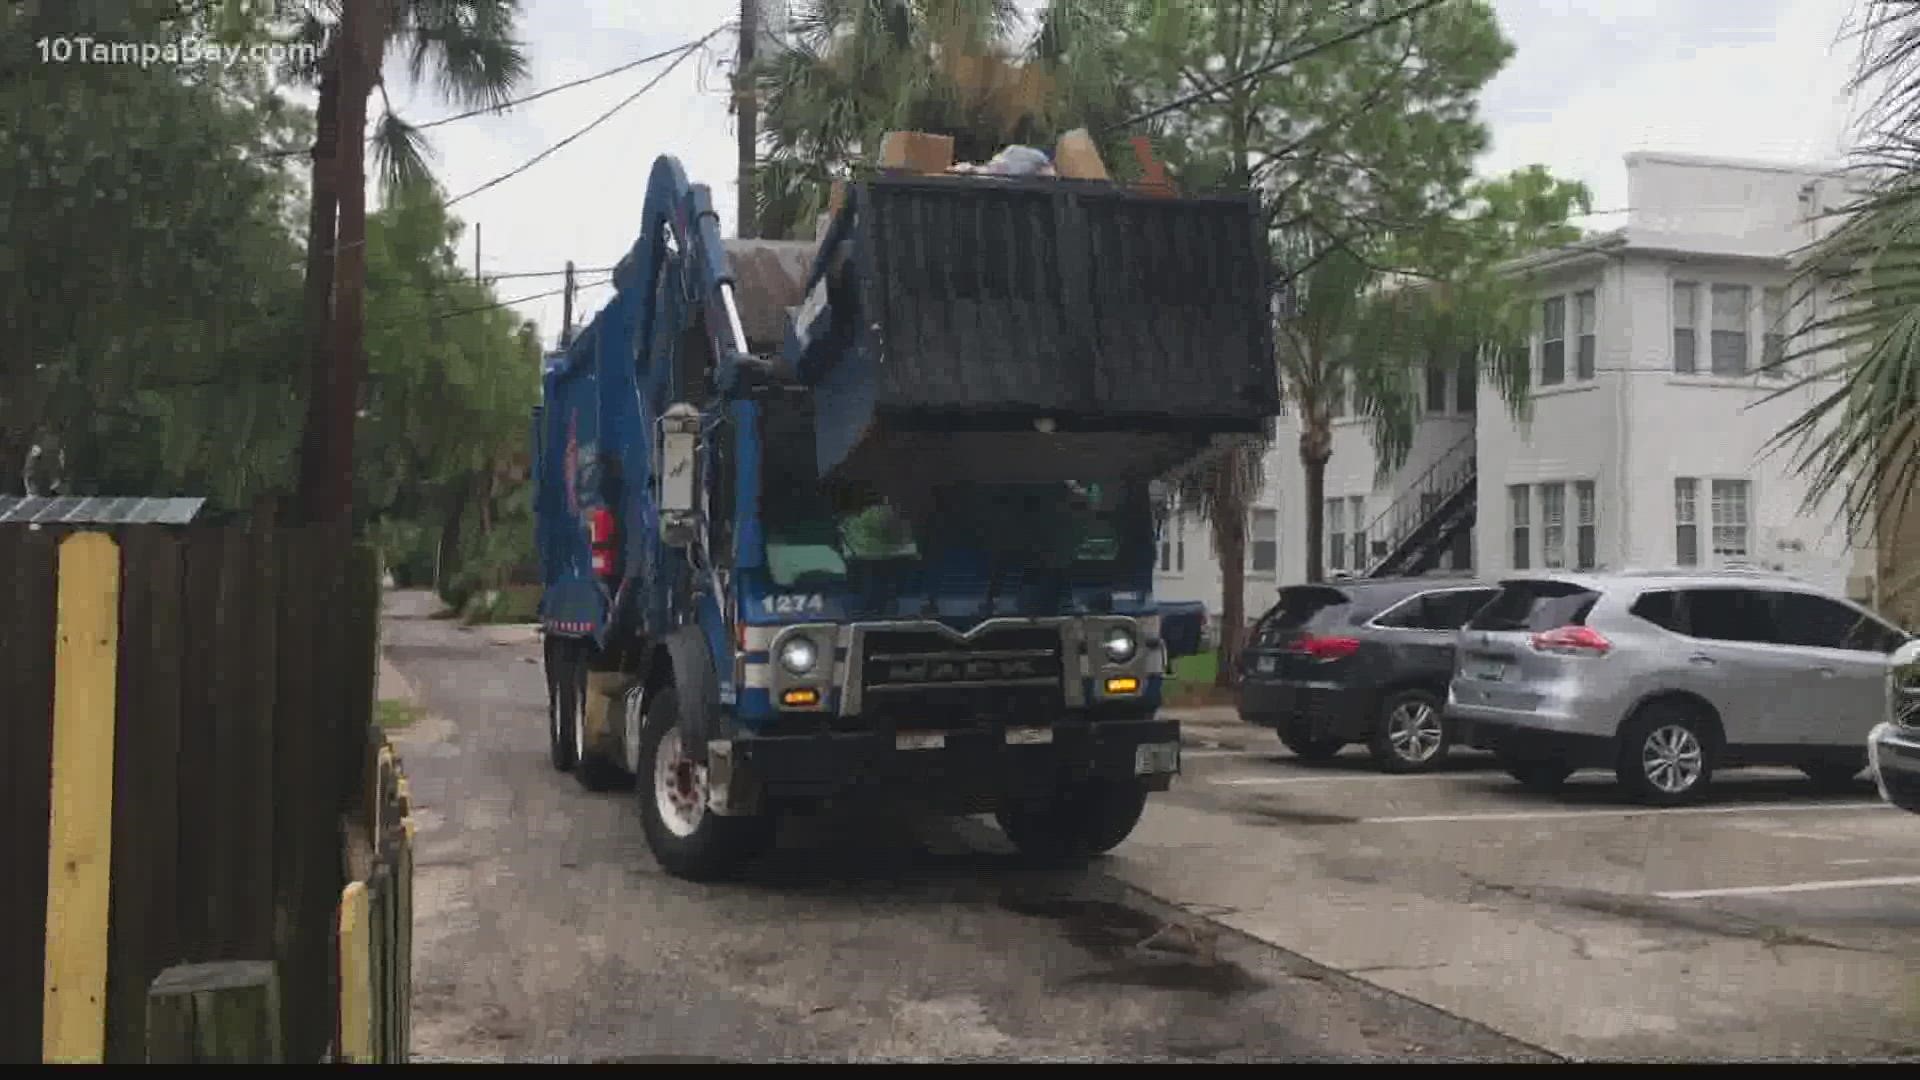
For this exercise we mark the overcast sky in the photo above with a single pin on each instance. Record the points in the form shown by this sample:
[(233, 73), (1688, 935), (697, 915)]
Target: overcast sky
[(1590, 80)]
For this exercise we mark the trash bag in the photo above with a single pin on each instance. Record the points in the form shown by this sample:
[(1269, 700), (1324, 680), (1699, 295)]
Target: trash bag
[(1013, 161)]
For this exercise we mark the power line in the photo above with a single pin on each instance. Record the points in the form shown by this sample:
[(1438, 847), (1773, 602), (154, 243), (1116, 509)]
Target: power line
[(685, 51), (490, 276), (1246, 76), (505, 105), (498, 304)]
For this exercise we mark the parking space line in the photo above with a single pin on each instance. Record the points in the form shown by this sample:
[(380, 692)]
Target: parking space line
[(1794, 887), (1265, 781), (1650, 811)]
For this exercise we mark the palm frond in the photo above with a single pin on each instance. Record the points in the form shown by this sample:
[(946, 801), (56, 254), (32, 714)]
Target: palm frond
[(468, 46), (400, 155)]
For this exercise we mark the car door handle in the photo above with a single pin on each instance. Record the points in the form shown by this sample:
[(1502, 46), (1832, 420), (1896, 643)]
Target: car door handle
[(1702, 659)]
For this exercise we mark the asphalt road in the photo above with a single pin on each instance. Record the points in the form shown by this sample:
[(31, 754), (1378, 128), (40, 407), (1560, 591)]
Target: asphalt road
[(544, 931)]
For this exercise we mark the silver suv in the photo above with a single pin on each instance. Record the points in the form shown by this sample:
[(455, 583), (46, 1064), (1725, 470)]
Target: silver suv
[(1665, 677)]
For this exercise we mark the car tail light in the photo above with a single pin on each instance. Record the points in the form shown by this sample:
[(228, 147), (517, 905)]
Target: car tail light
[(1573, 641), (600, 532), (1327, 648)]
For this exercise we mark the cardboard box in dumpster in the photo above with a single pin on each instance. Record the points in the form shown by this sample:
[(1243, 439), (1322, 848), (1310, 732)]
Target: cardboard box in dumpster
[(916, 151)]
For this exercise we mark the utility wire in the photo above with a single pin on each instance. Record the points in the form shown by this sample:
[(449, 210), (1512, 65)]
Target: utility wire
[(505, 105), (1274, 65), (487, 275), (685, 51), (498, 304)]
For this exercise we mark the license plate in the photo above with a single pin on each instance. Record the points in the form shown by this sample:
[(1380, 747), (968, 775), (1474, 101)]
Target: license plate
[(1152, 759), (920, 740), (1487, 670), (1263, 664), (1029, 736)]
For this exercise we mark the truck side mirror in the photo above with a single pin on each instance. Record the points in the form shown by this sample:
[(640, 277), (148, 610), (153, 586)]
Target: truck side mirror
[(679, 443)]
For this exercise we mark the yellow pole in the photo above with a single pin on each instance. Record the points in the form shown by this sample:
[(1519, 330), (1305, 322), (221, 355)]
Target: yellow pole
[(356, 977), (80, 829)]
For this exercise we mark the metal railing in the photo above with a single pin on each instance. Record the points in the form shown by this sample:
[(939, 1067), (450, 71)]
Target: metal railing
[(1427, 496)]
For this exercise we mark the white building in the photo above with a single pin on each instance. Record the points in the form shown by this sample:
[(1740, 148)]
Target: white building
[(1644, 447)]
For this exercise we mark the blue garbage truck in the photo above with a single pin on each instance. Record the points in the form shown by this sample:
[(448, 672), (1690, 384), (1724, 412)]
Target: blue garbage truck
[(872, 517)]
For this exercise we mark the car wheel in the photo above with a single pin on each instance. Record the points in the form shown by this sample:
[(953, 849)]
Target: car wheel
[(1312, 749), (1410, 735), (687, 838), (1541, 776), (1835, 773), (1666, 755)]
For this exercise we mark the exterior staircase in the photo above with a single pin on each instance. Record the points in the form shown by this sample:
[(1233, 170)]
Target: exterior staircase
[(1431, 517)]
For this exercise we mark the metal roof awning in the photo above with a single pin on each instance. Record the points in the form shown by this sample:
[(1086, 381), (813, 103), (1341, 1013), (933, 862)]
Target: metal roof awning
[(96, 510)]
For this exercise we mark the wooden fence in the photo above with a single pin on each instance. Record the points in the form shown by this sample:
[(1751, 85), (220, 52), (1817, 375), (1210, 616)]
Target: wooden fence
[(182, 724), (376, 918)]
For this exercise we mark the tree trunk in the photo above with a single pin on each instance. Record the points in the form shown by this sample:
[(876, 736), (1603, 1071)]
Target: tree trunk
[(1316, 447), (449, 561), (319, 293), (1229, 524), (357, 60)]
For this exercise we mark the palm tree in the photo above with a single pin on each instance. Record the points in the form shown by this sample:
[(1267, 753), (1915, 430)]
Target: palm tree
[(1861, 438), (468, 49), (855, 69)]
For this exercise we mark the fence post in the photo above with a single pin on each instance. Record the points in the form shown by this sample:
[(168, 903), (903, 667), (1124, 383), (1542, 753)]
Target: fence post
[(223, 1013), (356, 978), (80, 832)]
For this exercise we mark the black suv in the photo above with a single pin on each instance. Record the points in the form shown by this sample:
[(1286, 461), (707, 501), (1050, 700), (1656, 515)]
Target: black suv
[(1363, 660)]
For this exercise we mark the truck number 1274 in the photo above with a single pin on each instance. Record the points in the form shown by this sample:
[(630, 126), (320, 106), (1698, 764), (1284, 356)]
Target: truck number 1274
[(793, 604)]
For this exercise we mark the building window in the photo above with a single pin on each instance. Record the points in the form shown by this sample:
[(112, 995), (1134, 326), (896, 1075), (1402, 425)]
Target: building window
[(1730, 519), (1264, 551), (1356, 510), (1586, 347), (1436, 388), (1553, 341), (1336, 394), (1517, 505), (1553, 526), (1336, 534), (1586, 534), (1773, 334), (1466, 388), (1686, 521), (1686, 298), (1730, 329), (1166, 551), (1180, 543)]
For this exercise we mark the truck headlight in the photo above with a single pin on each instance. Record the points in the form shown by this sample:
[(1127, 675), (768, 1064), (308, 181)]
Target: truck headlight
[(1120, 644), (798, 655)]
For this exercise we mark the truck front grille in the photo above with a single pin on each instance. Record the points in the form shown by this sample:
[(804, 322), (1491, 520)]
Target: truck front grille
[(913, 676)]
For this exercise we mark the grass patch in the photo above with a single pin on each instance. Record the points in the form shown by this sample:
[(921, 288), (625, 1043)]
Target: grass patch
[(393, 713), (1192, 682), (513, 604)]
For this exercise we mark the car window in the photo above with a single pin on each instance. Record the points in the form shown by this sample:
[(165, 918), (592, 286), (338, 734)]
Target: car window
[(1305, 607), (1408, 614), (1661, 609), (1824, 623), (1535, 606), (1727, 614), (1450, 610)]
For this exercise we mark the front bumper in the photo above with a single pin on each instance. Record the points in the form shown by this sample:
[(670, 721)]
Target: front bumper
[(970, 770), (1894, 754)]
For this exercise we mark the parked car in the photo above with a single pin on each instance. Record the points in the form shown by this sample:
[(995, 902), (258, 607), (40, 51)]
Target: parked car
[(1365, 660), (1894, 746), (1667, 677)]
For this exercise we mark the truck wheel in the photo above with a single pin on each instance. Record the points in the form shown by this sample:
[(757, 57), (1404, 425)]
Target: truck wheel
[(591, 766), (1090, 821), (689, 840), (566, 686)]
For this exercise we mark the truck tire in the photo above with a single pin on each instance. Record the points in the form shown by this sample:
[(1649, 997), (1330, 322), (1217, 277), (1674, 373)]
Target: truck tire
[(686, 838), (566, 690), (1090, 821)]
